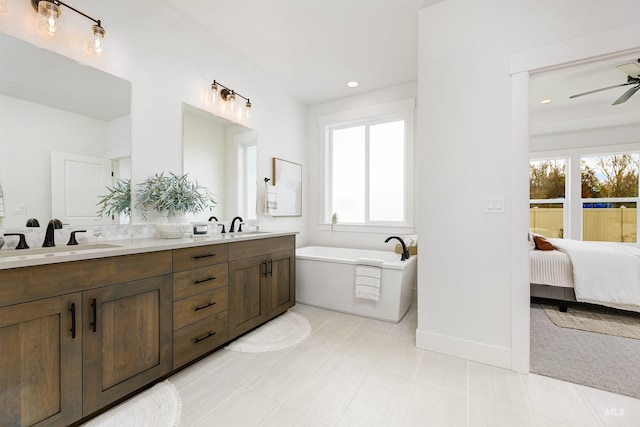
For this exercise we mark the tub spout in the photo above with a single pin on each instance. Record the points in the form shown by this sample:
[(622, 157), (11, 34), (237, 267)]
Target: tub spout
[(405, 251)]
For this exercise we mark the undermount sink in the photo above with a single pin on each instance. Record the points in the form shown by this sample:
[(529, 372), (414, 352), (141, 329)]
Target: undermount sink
[(56, 249), (245, 233)]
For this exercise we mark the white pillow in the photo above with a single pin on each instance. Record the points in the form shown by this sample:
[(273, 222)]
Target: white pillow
[(532, 244)]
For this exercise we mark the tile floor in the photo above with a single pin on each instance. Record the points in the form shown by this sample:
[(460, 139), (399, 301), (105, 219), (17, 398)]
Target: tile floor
[(354, 371)]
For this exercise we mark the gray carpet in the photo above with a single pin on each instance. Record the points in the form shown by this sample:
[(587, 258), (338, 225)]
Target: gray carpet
[(595, 360)]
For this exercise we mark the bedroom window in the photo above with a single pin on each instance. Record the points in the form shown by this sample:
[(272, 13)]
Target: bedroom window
[(610, 197), (368, 167), (547, 196)]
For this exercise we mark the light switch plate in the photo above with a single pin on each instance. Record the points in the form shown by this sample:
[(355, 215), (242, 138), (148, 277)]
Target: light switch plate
[(494, 205)]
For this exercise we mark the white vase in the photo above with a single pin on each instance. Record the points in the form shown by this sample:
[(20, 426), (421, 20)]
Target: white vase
[(173, 227)]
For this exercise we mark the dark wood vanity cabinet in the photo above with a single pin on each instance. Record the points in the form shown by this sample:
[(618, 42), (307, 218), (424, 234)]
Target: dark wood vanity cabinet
[(200, 301), (78, 336), (41, 362), (127, 339), (261, 281), (54, 368)]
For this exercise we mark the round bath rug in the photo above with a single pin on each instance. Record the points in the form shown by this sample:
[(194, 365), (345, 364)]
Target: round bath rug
[(160, 406), (282, 332)]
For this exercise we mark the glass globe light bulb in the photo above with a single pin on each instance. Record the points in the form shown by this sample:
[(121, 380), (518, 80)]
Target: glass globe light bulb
[(96, 42), (49, 14)]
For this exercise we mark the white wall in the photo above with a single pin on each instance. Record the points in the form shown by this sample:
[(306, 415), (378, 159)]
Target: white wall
[(169, 62), (598, 137), (368, 240), (205, 158), (466, 276), (31, 132)]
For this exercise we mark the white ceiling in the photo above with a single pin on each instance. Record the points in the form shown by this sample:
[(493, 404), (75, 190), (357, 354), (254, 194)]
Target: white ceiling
[(314, 47), (589, 111), (44, 77)]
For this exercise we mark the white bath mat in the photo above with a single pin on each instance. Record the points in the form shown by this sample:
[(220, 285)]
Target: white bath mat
[(282, 332), (160, 406)]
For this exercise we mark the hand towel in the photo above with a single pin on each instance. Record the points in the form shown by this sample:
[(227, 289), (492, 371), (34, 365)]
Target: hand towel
[(271, 200), (1, 203), (367, 278)]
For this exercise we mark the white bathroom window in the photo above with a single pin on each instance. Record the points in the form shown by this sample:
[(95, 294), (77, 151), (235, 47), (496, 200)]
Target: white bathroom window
[(368, 166)]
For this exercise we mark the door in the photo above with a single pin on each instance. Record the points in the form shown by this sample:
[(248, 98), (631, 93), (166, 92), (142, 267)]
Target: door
[(40, 362), (281, 285), (77, 181), (247, 294), (127, 338)]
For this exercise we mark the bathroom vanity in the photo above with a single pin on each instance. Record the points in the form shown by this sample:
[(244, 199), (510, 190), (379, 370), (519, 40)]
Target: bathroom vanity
[(81, 330)]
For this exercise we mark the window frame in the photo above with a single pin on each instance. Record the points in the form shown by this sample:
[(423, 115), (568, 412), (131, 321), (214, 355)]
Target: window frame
[(566, 205), (367, 116), (573, 218)]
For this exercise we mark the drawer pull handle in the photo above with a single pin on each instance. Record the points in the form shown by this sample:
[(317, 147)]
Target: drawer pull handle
[(208, 279), (202, 307), (209, 335), (73, 320), (203, 256), (94, 314), (264, 272)]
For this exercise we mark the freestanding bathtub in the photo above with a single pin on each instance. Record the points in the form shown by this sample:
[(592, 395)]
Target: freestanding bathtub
[(325, 278)]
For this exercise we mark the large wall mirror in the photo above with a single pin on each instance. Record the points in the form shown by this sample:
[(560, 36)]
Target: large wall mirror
[(222, 156), (65, 135)]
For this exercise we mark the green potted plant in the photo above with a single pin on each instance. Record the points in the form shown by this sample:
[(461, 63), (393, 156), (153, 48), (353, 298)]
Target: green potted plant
[(117, 201), (172, 196)]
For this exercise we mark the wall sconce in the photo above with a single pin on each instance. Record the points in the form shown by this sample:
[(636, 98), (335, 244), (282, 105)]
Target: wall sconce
[(50, 11), (218, 90)]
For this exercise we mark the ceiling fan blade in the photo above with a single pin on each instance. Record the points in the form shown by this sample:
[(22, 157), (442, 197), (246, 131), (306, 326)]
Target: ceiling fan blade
[(628, 94), (631, 68), (599, 90)]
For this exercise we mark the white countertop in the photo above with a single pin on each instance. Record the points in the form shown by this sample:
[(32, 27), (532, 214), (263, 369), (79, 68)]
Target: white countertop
[(14, 258)]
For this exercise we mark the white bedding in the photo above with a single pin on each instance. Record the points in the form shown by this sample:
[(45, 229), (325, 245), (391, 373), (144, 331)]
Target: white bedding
[(604, 273), (551, 268)]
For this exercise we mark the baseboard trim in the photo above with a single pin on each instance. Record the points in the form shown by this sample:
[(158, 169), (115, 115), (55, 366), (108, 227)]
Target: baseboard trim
[(465, 349)]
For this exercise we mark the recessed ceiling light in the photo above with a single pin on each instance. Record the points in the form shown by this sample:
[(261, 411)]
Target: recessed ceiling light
[(352, 84), (545, 101)]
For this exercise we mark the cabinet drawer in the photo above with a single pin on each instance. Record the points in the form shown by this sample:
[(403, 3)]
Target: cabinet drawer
[(192, 282), (199, 338), (190, 310), (199, 256), (251, 248)]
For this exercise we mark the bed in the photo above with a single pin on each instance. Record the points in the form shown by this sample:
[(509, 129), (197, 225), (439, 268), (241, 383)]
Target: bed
[(600, 273)]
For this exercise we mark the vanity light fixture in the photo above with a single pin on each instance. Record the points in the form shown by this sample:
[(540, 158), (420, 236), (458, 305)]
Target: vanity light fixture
[(218, 90), (50, 11)]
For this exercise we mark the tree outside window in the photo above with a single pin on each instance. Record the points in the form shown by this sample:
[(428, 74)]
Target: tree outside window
[(547, 191), (610, 197)]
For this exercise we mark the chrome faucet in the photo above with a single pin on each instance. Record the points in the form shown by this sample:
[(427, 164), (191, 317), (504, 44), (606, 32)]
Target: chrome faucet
[(405, 251), (233, 223), (49, 237)]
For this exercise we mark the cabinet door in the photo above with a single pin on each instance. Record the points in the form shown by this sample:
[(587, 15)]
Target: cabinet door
[(40, 362), (281, 286), (247, 294), (127, 338)]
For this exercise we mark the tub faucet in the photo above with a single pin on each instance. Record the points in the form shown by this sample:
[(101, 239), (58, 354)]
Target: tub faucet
[(405, 251), (49, 240), (233, 223)]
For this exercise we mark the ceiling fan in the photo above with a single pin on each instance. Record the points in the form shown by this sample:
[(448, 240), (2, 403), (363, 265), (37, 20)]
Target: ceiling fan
[(633, 78)]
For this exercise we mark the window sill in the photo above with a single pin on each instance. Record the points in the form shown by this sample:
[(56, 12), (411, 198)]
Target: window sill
[(356, 228)]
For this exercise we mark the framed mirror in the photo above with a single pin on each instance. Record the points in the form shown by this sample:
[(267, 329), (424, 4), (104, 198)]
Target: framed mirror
[(222, 156), (65, 135)]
